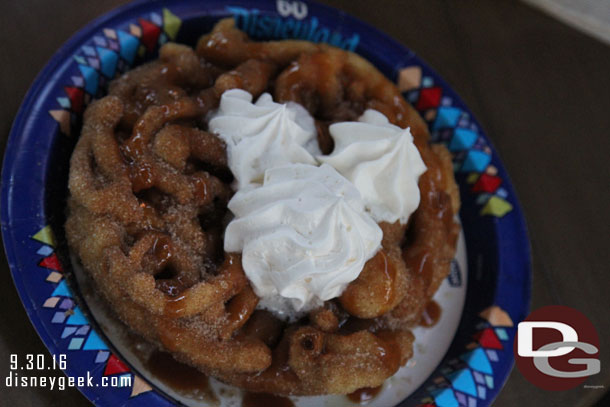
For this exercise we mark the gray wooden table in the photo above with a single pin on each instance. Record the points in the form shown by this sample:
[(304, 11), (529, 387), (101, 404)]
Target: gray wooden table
[(541, 90)]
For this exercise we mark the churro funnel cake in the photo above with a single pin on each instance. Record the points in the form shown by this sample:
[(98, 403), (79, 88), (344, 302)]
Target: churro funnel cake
[(270, 213)]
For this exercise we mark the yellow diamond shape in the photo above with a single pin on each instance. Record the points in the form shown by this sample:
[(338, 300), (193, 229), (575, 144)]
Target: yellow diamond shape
[(171, 23), (496, 206), (45, 235)]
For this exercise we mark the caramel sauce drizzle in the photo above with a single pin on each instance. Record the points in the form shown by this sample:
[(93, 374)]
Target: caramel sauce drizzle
[(265, 400), (431, 314), (182, 378)]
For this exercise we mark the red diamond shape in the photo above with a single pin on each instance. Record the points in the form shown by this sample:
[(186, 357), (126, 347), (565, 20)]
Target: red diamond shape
[(150, 34), (76, 96), (488, 339), (114, 366), (51, 262), (487, 183), (429, 98)]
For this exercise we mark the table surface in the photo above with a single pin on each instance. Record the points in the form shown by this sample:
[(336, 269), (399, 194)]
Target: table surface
[(540, 89)]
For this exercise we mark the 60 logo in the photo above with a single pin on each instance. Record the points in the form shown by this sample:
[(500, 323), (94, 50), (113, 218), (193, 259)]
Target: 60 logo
[(287, 8), (557, 348)]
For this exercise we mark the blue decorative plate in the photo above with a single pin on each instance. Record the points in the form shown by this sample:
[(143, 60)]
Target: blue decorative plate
[(35, 173)]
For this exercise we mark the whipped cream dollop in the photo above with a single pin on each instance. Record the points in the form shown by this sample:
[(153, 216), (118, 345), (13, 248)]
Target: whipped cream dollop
[(304, 236), (263, 135), (381, 160)]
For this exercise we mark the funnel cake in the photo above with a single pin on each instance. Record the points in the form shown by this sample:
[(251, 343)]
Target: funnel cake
[(149, 188)]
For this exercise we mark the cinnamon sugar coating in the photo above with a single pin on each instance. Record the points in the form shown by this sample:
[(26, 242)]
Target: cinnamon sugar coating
[(149, 189)]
